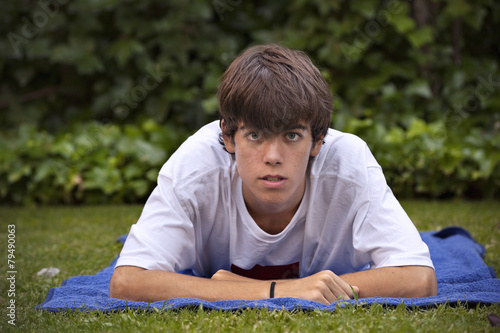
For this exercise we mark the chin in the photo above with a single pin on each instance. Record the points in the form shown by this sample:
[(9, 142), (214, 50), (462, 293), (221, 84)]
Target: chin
[(275, 200)]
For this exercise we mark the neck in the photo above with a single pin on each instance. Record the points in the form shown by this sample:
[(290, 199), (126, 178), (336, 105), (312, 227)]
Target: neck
[(271, 219)]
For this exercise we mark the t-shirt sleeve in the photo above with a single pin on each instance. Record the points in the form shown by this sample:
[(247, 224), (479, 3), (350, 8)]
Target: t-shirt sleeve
[(163, 237), (384, 230)]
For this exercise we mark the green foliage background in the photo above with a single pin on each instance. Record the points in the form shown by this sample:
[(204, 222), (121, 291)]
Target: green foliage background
[(96, 94)]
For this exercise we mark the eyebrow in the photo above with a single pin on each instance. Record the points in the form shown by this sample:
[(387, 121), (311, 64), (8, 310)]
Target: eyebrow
[(298, 126), (295, 127)]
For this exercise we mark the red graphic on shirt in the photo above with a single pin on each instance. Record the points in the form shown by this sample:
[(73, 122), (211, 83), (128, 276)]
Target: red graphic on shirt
[(259, 272)]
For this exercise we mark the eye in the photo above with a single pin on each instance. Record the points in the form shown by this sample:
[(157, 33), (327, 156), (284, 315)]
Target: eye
[(253, 136), (292, 136)]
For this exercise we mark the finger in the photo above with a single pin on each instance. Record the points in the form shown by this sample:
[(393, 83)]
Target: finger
[(332, 292), (342, 289), (327, 284), (348, 289), (355, 291), (326, 301), (321, 285), (342, 295), (330, 296)]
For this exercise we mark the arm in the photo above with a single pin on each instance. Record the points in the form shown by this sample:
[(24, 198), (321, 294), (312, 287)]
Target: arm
[(404, 281), (138, 284)]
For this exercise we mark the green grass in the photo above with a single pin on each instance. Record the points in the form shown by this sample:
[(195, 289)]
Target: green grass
[(81, 240)]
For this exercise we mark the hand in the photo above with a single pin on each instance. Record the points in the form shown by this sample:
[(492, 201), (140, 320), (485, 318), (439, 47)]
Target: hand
[(324, 287)]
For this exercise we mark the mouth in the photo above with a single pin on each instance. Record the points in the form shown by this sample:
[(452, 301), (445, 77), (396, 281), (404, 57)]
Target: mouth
[(273, 178), (273, 181)]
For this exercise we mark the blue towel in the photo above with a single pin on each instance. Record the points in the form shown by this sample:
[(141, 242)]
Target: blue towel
[(461, 273)]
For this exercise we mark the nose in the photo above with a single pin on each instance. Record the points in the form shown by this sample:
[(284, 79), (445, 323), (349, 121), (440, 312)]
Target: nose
[(272, 152)]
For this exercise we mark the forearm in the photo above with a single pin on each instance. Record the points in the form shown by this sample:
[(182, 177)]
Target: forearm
[(136, 284), (406, 281)]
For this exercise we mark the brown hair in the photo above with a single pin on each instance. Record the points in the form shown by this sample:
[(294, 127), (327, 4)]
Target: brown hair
[(273, 88)]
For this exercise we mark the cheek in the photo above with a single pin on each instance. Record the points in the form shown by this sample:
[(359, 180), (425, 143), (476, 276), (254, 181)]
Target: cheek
[(246, 155), (301, 158), (244, 161)]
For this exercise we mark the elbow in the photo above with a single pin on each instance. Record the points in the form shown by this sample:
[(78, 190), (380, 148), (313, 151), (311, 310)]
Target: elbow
[(117, 286), (426, 284), (120, 285), (128, 283)]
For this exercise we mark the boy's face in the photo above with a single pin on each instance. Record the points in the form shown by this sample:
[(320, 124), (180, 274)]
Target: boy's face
[(273, 166)]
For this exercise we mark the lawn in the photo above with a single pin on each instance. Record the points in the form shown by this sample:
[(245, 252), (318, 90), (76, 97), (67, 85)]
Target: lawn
[(82, 240)]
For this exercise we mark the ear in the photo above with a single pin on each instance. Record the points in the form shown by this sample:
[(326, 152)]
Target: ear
[(228, 141), (316, 147)]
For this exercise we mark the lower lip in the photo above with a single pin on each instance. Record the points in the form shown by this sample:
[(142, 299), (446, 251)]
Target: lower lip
[(273, 184)]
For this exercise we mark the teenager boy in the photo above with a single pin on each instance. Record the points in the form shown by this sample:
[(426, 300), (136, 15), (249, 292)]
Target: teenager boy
[(270, 202)]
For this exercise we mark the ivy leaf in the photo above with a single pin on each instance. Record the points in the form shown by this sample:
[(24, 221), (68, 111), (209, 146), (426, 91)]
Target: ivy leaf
[(18, 171), (89, 64), (419, 88), (417, 128), (124, 49), (80, 53), (403, 24), (421, 36), (366, 7), (475, 18), (140, 187), (457, 8)]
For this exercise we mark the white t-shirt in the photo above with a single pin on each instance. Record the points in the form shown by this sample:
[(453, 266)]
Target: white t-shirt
[(348, 220)]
